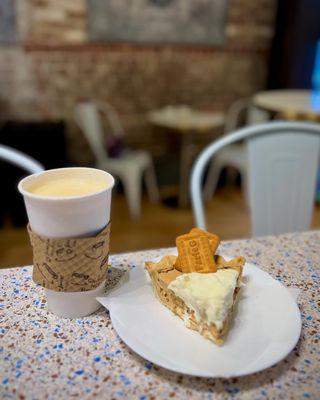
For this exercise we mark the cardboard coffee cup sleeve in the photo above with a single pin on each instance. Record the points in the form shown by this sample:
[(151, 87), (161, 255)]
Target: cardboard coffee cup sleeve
[(70, 265)]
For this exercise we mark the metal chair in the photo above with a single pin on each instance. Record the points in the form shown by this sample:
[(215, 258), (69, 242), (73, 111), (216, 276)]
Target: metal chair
[(130, 167), (283, 160), (20, 159), (234, 155)]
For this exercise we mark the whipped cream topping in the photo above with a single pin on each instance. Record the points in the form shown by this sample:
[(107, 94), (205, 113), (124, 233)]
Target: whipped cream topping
[(210, 295)]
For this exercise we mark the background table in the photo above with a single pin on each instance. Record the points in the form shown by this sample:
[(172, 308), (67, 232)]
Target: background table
[(289, 104), (45, 357), (187, 123)]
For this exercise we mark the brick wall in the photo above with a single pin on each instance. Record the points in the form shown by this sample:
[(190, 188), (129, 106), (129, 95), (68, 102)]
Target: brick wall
[(54, 66)]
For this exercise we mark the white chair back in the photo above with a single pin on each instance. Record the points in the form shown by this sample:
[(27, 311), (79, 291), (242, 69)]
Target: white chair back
[(89, 121), (20, 159), (283, 161), (236, 109), (113, 118)]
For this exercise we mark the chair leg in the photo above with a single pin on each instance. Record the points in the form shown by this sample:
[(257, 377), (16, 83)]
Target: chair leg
[(151, 183), (245, 186), (212, 180), (231, 175), (132, 183)]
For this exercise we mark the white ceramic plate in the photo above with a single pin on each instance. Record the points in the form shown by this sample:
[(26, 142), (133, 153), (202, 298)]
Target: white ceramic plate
[(266, 328)]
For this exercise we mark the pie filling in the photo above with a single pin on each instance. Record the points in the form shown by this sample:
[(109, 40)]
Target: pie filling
[(198, 285), (209, 295)]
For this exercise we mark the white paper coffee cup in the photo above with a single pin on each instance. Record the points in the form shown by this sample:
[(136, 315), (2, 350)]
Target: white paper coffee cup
[(69, 217)]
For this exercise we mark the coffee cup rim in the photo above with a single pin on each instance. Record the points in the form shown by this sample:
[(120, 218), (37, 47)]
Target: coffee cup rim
[(26, 193)]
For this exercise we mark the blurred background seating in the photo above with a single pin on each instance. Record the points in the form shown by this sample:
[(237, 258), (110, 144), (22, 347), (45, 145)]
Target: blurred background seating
[(283, 160), (235, 155), (110, 154), (45, 142), (21, 160)]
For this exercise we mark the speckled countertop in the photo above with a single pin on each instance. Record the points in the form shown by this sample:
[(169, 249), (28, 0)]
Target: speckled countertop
[(44, 357)]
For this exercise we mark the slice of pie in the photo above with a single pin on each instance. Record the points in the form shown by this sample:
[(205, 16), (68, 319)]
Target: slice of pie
[(203, 300)]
